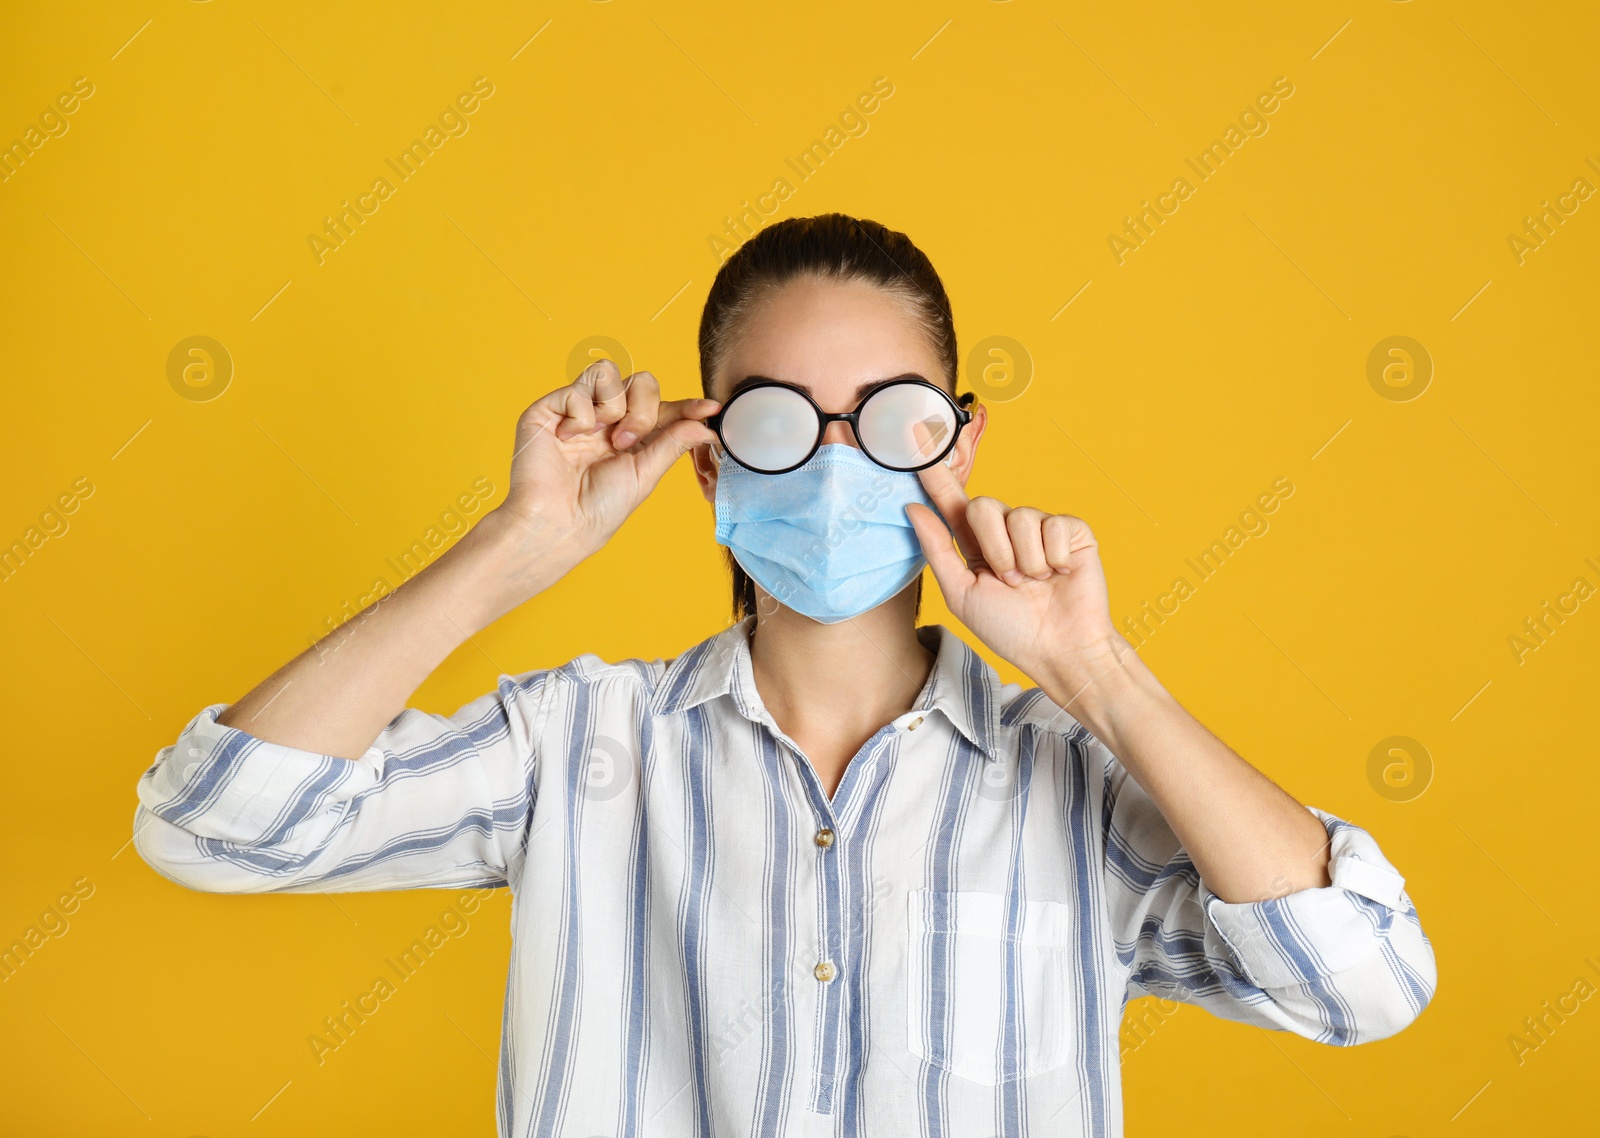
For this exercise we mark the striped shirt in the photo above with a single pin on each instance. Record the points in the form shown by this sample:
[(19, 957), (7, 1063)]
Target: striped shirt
[(704, 943)]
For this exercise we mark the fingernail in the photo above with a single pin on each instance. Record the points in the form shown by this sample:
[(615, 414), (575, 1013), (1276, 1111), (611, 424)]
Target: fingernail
[(624, 440)]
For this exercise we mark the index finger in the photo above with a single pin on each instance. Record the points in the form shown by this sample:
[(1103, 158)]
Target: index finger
[(674, 410), (951, 497)]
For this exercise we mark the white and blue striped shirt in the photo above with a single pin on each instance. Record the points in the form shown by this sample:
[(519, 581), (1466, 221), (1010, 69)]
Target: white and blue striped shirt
[(705, 944)]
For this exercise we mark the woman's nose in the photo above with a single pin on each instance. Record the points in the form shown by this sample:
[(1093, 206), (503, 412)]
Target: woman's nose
[(839, 433)]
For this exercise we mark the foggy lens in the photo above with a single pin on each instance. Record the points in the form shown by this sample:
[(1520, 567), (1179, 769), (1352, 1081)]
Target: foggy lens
[(906, 425), (769, 428)]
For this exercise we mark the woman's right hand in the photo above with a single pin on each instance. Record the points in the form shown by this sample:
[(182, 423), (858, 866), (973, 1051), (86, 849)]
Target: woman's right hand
[(586, 455)]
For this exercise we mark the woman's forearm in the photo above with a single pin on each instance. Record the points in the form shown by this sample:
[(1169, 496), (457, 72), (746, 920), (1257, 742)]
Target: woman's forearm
[(1249, 839), (338, 695), (571, 487)]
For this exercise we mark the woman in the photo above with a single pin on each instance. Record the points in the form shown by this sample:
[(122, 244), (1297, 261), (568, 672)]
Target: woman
[(822, 873)]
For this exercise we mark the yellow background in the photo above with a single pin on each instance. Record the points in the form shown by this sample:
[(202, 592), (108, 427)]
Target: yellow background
[(376, 387)]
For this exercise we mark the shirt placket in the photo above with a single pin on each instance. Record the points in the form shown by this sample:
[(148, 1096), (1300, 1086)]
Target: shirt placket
[(838, 960)]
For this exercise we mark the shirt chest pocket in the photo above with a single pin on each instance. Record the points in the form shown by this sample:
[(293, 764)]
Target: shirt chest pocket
[(988, 990)]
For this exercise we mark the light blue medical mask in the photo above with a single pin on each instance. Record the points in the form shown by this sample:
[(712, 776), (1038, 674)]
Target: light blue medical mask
[(829, 539)]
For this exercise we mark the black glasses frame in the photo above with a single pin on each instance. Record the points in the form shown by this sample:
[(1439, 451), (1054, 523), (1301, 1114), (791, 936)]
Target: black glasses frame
[(958, 404)]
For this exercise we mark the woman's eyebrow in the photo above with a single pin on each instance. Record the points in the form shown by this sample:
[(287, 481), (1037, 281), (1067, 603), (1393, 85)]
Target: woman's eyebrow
[(862, 391)]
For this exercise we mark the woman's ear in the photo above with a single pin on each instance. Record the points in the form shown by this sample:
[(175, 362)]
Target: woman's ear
[(706, 469), (965, 452)]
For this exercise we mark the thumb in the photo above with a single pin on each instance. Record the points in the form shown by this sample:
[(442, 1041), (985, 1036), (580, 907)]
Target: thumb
[(655, 456), (949, 567)]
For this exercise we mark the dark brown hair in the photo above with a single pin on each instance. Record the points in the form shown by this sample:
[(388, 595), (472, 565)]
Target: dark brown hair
[(833, 246)]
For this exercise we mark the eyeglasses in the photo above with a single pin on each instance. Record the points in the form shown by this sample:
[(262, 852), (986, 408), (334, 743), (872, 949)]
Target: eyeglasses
[(906, 424)]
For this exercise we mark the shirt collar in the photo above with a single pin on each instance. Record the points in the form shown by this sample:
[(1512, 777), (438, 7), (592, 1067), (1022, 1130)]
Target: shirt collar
[(963, 687)]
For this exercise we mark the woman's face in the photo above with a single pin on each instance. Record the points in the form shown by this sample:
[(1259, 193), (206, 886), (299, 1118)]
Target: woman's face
[(832, 338)]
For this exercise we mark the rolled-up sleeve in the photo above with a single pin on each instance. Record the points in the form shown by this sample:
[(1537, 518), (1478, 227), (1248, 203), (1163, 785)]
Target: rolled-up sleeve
[(436, 801), (1345, 963)]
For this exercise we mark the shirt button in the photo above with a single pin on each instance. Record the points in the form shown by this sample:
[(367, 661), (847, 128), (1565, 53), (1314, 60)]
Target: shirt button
[(914, 724), (824, 971), (824, 837)]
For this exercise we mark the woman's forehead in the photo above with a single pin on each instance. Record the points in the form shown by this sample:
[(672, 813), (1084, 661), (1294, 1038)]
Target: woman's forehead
[(832, 337)]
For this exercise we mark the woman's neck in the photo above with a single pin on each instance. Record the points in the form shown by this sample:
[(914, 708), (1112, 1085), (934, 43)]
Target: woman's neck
[(830, 687)]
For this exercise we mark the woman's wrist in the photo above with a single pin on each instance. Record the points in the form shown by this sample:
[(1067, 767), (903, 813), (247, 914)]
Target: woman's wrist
[(1102, 687), (502, 562)]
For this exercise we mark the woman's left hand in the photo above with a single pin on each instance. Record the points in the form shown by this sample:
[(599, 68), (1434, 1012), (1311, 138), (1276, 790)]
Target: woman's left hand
[(1027, 583)]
